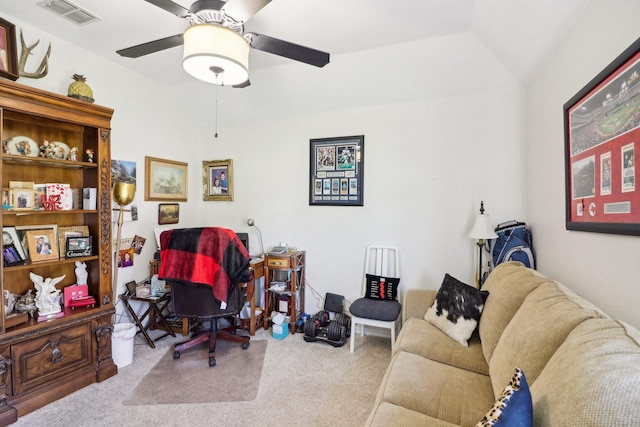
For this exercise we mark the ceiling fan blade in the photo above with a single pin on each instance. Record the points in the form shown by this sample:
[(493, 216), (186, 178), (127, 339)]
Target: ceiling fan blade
[(170, 7), (151, 47), (288, 50), (243, 10), (241, 85)]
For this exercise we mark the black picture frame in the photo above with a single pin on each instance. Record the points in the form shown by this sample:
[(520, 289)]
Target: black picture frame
[(601, 143), (336, 171), (11, 256), (8, 43), (79, 246)]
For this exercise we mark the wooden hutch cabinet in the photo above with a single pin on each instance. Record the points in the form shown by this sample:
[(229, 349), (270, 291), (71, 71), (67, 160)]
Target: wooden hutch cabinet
[(44, 361)]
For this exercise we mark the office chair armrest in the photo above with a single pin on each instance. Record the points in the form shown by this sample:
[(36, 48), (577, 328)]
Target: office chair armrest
[(416, 302)]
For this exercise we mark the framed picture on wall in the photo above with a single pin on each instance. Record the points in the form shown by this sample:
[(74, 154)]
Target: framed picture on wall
[(602, 140), (168, 213), (217, 179), (165, 180), (8, 50), (336, 173)]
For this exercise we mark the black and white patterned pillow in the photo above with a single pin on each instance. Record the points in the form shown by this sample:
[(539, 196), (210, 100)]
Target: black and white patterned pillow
[(457, 309)]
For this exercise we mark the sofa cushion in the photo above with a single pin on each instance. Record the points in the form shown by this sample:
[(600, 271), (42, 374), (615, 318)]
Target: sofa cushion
[(592, 379), (513, 407), (508, 285), (536, 331), (457, 309), (422, 338), (380, 287), (451, 394), (385, 414)]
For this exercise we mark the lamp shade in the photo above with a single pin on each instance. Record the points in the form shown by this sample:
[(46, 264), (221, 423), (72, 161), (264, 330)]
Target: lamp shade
[(481, 228), (124, 192), (216, 54)]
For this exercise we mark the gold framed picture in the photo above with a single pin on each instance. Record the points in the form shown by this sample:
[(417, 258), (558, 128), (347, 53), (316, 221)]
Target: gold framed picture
[(21, 198), (43, 244), (217, 179), (165, 180), (71, 231)]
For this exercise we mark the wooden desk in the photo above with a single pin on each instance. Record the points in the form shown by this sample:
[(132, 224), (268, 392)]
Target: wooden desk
[(257, 270)]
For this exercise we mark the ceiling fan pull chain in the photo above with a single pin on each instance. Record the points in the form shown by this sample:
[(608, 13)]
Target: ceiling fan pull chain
[(216, 135)]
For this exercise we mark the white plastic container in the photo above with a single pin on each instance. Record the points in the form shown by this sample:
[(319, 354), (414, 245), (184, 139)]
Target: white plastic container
[(122, 344)]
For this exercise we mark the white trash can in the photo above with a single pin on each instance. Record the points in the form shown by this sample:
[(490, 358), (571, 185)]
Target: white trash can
[(122, 344)]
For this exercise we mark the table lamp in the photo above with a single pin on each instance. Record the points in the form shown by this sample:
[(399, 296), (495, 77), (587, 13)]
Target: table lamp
[(123, 194), (482, 231), (252, 223)]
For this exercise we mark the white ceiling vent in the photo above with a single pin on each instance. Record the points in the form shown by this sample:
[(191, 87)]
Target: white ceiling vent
[(69, 11)]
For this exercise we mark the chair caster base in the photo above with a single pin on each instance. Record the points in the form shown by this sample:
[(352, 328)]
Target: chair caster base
[(245, 345), (176, 354)]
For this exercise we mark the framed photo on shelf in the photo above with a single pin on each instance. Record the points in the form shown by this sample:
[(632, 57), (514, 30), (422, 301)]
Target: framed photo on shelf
[(602, 129), (10, 255), (43, 244), (70, 231), (217, 179), (21, 231), (22, 198), (165, 180), (336, 175), (168, 213), (10, 237), (9, 50)]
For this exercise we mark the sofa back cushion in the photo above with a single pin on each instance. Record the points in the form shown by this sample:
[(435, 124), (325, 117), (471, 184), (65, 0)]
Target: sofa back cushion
[(536, 331), (592, 379), (508, 285)]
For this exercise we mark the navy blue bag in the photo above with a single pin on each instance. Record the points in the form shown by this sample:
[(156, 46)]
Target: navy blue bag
[(514, 243)]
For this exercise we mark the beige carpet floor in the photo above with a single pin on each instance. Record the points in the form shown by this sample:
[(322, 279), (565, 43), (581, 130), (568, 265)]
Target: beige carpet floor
[(310, 384), (189, 379)]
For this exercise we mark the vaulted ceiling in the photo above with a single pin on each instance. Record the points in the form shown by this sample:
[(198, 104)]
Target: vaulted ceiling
[(522, 34)]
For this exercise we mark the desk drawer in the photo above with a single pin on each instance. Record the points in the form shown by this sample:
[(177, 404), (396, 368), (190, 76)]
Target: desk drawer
[(278, 262), (48, 357)]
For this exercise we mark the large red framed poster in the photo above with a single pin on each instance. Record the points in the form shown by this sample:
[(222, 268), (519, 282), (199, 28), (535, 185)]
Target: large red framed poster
[(602, 140)]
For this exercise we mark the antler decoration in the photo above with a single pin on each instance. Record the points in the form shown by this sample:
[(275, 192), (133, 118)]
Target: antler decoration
[(43, 68)]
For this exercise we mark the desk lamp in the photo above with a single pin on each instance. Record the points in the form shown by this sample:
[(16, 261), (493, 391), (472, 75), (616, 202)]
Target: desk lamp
[(252, 223), (482, 231), (123, 194)]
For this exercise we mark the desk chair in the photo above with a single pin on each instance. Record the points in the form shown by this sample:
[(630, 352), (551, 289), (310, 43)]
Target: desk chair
[(382, 313), (197, 301)]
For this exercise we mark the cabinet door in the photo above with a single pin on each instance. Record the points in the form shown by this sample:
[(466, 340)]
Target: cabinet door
[(46, 358)]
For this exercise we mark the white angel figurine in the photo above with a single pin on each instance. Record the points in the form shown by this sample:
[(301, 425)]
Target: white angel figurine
[(81, 273), (47, 296)]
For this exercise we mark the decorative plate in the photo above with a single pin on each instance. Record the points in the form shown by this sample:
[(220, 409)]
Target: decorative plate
[(54, 150), (22, 146)]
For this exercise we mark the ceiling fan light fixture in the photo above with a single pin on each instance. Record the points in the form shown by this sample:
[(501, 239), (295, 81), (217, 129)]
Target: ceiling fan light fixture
[(216, 54)]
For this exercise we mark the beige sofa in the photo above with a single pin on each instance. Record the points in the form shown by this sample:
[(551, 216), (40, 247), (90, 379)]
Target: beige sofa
[(582, 367)]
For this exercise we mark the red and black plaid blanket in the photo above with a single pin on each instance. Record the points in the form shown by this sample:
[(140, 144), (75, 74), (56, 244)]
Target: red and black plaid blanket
[(212, 256)]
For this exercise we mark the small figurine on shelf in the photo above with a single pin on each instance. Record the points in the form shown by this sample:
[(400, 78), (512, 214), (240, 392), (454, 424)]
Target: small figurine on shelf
[(73, 154), (81, 273), (47, 296), (89, 153)]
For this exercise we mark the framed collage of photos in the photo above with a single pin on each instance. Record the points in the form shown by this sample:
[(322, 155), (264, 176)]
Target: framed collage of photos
[(602, 135), (337, 171)]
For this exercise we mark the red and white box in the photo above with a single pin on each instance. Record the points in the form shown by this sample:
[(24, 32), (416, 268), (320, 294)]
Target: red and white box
[(60, 195), (75, 292)]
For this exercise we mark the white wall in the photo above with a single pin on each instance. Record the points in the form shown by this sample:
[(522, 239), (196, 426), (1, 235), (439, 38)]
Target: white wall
[(444, 127), (601, 267)]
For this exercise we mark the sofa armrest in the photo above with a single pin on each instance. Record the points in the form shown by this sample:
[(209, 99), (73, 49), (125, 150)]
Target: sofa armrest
[(416, 302)]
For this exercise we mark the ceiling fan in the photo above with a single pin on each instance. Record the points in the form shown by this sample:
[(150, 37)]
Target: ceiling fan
[(216, 46)]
